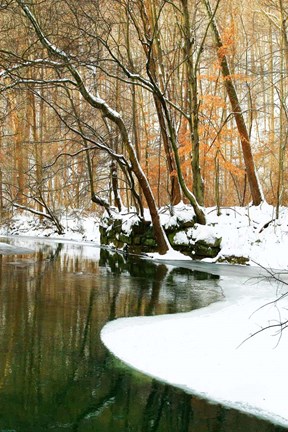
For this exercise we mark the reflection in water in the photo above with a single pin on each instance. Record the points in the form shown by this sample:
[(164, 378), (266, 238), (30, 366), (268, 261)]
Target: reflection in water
[(54, 372), (157, 289)]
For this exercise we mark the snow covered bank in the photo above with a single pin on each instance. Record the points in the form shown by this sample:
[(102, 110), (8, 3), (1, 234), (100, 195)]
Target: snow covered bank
[(199, 351), (249, 232), (7, 249), (253, 232), (249, 235), (77, 227)]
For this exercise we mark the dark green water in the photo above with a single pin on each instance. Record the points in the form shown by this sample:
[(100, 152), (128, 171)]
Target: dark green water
[(56, 375)]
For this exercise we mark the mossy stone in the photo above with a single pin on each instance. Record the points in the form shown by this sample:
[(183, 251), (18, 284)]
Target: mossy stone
[(125, 238), (232, 259), (171, 237), (149, 242), (205, 250)]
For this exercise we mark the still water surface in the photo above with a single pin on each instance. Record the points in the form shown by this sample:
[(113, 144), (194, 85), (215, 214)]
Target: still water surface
[(56, 375)]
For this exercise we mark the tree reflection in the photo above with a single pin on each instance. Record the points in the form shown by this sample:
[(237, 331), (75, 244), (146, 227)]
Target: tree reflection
[(154, 407), (158, 289)]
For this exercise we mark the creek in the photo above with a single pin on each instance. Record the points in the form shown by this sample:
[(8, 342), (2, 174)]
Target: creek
[(55, 373)]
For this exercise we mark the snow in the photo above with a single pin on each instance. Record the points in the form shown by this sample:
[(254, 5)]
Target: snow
[(202, 351), (250, 232), (78, 227), (244, 233), (203, 232), (128, 220), (181, 238), (7, 249), (171, 255), (242, 230), (181, 212)]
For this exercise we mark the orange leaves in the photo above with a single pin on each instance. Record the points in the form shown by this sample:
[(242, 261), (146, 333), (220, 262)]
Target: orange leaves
[(184, 150), (173, 173), (208, 77), (209, 100), (231, 167), (212, 103), (237, 77), (184, 139), (228, 42), (184, 132)]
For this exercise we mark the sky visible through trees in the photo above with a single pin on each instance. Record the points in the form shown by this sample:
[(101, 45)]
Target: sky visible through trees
[(142, 103)]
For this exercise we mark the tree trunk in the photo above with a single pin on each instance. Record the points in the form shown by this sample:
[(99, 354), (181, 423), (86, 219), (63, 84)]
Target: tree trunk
[(257, 196), (151, 53), (283, 113), (114, 117), (191, 75)]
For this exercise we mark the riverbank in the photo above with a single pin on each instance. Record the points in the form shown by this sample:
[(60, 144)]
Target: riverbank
[(248, 234), (77, 227), (206, 352), (202, 351)]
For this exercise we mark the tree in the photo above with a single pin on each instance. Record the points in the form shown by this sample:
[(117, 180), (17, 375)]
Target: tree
[(64, 61), (257, 195), (150, 40), (158, 85), (156, 64), (192, 96)]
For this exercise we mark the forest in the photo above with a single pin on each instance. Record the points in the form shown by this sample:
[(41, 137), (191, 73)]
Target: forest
[(112, 104)]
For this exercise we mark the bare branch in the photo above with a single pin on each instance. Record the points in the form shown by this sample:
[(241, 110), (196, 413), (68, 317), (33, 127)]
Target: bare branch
[(32, 210)]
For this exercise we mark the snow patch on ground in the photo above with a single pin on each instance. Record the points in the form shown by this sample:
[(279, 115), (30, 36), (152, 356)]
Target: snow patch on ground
[(128, 220), (201, 351), (170, 217), (171, 255), (252, 232), (204, 233), (181, 238), (77, 227)]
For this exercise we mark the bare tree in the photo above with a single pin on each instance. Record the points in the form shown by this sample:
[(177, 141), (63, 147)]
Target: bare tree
[(69, 64), (158, 86)]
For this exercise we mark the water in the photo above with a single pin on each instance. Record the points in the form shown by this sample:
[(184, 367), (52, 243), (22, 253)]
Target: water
[(56, 375)]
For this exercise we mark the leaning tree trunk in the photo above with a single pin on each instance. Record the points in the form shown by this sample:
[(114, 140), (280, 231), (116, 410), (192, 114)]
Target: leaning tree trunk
[(153, 51), (108, 113), (257, 196)]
